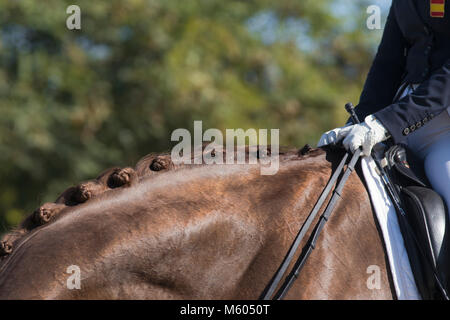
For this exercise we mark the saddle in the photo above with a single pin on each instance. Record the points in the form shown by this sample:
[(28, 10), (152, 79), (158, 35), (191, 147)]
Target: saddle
[(424, 226)]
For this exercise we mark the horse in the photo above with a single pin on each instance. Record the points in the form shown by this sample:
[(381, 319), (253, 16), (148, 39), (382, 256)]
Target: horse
[(165, 231)]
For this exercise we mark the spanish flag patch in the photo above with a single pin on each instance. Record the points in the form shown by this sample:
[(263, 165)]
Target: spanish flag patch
[(437, 8)]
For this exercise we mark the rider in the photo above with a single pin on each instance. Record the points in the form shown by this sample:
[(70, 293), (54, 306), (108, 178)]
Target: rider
[(413, 63)]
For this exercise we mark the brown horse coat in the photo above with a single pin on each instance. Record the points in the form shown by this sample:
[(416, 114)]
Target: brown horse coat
[(202, 232)]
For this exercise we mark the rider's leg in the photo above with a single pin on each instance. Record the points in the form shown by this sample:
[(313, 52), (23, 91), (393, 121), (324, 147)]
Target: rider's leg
[(437, 168), (432, 144)]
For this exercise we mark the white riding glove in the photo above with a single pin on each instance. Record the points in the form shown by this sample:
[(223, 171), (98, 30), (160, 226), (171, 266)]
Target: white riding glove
[(365, 135), (334, 136)]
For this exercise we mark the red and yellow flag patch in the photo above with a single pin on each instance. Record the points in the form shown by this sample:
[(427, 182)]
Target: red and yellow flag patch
[(437, 8)]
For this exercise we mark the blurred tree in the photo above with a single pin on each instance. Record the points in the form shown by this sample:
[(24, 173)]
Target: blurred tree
[(73, 102)]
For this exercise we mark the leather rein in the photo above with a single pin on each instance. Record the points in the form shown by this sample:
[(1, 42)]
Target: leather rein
[(269, 291)]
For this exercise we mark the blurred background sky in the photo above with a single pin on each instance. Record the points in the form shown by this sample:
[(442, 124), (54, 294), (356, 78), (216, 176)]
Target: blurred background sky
[(75, 102)]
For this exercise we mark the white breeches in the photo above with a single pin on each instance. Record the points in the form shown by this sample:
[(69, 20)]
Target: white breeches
[(431, 143)]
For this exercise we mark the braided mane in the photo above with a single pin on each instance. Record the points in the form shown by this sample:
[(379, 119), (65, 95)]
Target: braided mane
[(117, 177)]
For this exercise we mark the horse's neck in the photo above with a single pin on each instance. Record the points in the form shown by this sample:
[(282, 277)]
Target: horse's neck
[(239, 226), (209, 232), (227, 225)]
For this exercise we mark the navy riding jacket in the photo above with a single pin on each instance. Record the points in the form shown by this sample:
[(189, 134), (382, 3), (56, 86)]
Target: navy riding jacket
[(415, 48)]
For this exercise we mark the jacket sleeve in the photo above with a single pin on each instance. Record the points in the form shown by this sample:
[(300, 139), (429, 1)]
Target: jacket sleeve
[(386, 72), (411, 112)]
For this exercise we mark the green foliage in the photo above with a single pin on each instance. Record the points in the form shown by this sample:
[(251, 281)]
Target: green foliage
[(74, 102)]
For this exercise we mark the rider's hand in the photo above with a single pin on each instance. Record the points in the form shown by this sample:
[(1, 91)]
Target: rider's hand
[(365, 135), (334, 136)]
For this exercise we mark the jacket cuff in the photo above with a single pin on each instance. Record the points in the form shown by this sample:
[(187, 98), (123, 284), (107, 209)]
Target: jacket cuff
[(398, 127)]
